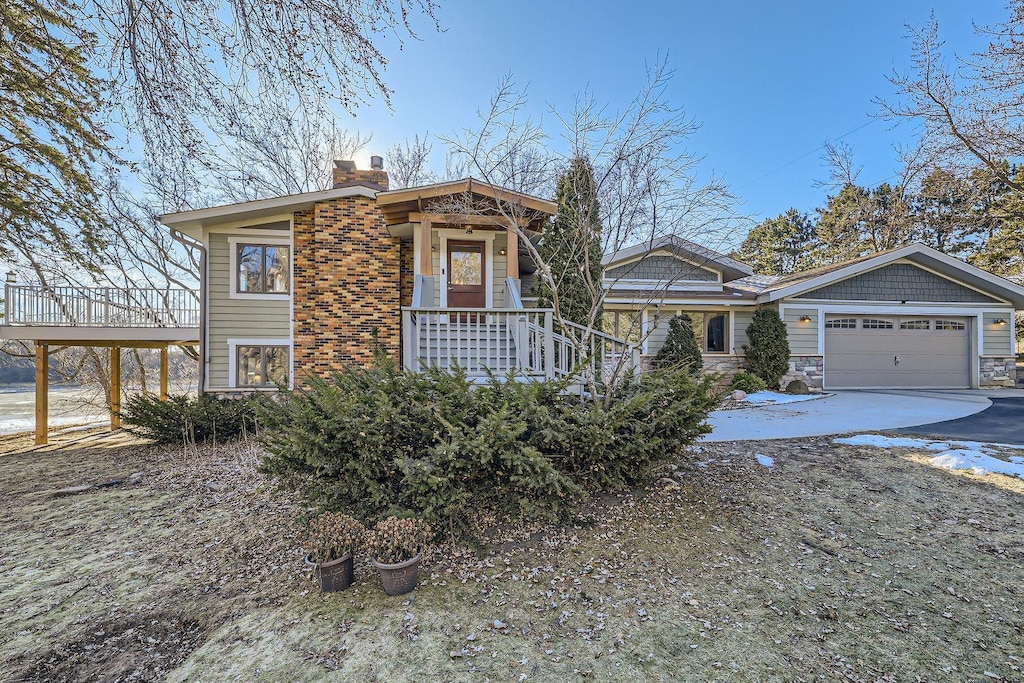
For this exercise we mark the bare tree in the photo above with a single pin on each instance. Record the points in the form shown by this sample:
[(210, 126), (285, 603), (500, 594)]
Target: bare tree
[(645, 181), (970, 107)]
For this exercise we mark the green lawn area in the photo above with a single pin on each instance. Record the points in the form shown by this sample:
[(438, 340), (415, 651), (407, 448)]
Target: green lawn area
[(838, 563)]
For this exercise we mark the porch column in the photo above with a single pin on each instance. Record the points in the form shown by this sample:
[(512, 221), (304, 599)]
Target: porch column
[(115, 388), (163, 373), (512, 262), (42, 393), (426, 258)]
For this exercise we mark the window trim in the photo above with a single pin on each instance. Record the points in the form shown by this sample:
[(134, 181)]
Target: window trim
[(235, 242), (233, 346)]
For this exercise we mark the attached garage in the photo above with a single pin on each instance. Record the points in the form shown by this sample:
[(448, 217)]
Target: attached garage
[(919, 352)]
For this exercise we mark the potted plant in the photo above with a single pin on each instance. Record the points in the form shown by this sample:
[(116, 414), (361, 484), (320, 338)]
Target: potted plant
[(333, 538), (396, 548)]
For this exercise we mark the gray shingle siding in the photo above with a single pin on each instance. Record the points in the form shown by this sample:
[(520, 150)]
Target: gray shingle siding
[(898, 282), (662, 269)]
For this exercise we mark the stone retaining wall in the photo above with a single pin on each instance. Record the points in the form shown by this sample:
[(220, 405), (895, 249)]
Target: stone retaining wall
[(807, 369)]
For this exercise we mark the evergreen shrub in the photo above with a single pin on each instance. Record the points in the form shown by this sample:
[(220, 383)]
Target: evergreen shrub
[(768, 351), (744, 381), (188, 419), (680, 349), (380, 442)]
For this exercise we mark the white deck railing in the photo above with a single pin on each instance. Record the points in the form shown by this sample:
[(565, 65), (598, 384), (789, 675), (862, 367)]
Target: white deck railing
[(520, 340), (100, 306)]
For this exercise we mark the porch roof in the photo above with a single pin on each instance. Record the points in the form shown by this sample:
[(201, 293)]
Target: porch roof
[(400, 206)]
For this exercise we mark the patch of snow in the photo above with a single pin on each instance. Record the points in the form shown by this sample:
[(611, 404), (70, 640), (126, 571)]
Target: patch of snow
[(978, 462), (776, 397), (976, 456), (765, 460)]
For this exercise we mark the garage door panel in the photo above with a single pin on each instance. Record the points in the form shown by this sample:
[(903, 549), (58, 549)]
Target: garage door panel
[(866, 358)]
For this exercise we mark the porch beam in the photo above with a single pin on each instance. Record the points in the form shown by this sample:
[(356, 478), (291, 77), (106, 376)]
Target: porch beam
[(464, 219), (42, 393), (115, 388)]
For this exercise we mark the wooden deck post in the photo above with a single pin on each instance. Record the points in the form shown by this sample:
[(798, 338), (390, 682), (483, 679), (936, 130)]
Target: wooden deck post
[(163, 374), (115, 388), (42, 393)]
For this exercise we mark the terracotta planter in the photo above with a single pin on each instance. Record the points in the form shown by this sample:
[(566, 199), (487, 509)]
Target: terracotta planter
[(400, 578), (335, 575)]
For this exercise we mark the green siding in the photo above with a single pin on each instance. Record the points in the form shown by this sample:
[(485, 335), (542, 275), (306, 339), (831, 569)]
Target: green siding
[(803, 337), (741, 318), (997, 338), (236, 318)]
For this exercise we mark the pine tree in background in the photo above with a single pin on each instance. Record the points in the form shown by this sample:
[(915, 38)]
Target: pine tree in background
[(680, 347), (780, 245), (49, 107), (768, 351), (571, 247)]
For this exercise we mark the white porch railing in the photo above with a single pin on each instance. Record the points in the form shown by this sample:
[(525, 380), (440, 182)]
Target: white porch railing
[(100, 306), (521, 340)]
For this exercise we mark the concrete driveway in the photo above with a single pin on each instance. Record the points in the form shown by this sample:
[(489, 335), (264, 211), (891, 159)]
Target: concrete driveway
[(846, 411)]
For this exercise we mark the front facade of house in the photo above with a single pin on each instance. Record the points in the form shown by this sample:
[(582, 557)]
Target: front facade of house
[(302, 284), (908, 318)]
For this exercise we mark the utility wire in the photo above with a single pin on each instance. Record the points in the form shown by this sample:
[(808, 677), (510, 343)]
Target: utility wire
[(804, 156)]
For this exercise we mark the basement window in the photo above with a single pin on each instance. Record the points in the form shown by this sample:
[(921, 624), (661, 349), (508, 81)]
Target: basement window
[(262, 366)]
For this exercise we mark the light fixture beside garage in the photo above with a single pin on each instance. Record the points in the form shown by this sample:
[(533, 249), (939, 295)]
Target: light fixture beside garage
[(1001, 321), (805, 318)]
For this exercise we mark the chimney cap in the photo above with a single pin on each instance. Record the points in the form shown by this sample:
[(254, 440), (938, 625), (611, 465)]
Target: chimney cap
[(377, 163), (344, 165)]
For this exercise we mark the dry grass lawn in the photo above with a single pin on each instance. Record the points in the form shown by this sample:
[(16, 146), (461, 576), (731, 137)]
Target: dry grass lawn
[(839, 563)]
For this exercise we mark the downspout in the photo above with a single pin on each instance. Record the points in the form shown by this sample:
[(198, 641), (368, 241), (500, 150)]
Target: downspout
[(190, 243)]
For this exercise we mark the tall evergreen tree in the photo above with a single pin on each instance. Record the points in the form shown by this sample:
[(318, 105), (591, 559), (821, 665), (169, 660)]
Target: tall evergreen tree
[(768, 352), (780, 245), (49, 137), (680, 348), (571, 248)]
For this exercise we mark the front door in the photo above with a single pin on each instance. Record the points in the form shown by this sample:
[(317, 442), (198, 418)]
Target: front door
[(466, 275)]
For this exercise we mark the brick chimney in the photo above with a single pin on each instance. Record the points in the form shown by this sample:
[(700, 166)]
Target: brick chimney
[(345, 174)]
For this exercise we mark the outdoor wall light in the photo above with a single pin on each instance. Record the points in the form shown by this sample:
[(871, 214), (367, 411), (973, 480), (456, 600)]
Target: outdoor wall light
[(805, 318), (469, 229), (1001, 321), (501, 252), (12, 277)]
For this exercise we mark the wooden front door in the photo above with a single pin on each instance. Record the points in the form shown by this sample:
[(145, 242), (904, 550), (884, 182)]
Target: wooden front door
[(466, 279)]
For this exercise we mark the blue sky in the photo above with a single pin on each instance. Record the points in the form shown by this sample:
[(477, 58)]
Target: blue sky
[(769, 82)]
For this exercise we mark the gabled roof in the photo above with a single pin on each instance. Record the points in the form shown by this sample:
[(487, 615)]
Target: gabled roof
[(731, 268), (261, 208), (810, 280), (397, 204)]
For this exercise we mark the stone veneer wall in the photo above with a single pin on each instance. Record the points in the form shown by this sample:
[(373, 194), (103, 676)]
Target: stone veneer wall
[(998, 372), (346, 284), (725, 365), (805, 368)]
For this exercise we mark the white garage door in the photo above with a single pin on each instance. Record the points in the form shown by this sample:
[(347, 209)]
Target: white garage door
[(877, 352)]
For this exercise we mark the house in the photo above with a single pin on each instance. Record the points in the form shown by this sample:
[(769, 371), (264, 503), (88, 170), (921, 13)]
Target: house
[(911, 317), (304, 283), (301, 284)]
